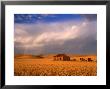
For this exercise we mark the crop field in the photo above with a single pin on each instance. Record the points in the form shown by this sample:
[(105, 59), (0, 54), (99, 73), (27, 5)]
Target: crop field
[(47, 67)]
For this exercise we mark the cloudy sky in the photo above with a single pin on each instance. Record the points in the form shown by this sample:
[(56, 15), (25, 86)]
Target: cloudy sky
[(55, 33)]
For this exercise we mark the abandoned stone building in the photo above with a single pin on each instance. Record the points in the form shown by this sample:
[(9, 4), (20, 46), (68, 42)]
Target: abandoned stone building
[(61, 57)]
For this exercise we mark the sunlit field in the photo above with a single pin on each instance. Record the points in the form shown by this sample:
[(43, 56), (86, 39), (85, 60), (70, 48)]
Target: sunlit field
[(46, 66)]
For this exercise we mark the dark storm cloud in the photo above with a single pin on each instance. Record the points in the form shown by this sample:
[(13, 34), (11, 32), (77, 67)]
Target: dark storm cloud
[(90, 17), (57, 37)]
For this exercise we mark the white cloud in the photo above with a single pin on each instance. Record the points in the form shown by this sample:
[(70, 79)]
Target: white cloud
[(35, 36)]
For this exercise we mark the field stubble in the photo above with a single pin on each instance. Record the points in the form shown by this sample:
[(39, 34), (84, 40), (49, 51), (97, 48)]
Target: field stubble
[(42, 67)]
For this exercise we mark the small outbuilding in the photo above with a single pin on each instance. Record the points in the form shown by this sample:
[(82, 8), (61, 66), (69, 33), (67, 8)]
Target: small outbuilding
[(61, 57)]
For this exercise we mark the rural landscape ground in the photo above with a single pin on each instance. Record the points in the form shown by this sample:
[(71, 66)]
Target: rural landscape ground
[(44, 65)]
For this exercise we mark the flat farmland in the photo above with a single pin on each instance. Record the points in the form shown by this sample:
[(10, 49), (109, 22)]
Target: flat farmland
[(46, 66)]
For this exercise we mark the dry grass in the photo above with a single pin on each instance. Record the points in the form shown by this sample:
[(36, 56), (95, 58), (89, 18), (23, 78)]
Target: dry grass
[(48, 67)]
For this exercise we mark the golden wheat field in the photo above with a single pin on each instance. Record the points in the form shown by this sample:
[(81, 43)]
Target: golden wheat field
[(38, 66)]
